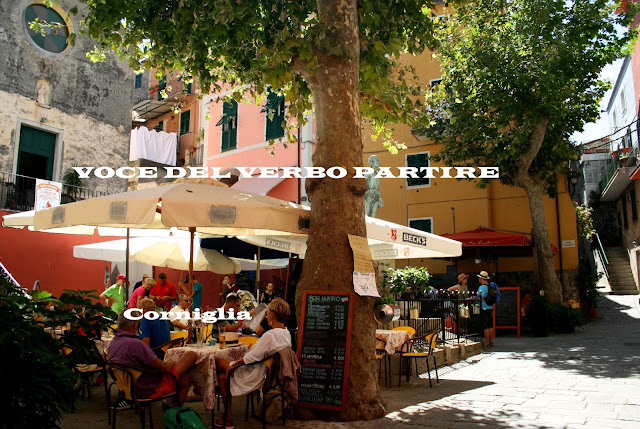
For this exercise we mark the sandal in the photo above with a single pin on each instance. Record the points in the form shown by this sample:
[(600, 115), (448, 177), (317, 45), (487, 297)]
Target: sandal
[(219, 424)]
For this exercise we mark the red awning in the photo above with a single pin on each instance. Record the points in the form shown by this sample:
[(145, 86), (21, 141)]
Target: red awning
[(485, 237)]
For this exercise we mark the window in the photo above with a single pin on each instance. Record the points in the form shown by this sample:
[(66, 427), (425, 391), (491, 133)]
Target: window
[(434, 82), (159, 126), (55, 38), (418, 160), (184, 122), (275, 115), (186, 87), (423, 224), (229, 123), (138, 81), (161, 86), (634, 204)]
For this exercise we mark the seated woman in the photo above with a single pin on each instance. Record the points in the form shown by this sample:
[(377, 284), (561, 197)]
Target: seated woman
[(249, 378)]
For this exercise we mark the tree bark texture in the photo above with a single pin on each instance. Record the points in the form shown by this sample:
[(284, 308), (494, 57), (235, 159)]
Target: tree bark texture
[(337, 204), (535, 191)]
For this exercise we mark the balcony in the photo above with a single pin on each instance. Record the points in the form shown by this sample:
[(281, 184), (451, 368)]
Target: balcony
[(195, 156), (617, 176), (18, 192)]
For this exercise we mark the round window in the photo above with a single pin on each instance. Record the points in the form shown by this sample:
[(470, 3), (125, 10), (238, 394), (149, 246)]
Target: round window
[(56, 31)]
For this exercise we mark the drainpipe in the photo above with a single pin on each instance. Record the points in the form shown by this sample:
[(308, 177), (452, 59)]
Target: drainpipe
[(559, 240), (299, 161)]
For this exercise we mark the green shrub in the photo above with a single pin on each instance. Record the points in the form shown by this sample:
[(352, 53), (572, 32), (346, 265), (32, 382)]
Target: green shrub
[(408, 280)]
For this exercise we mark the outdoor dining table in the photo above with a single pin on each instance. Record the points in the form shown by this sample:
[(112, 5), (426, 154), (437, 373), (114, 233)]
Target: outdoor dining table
[(204, 374), (390, 341), (103, 343)]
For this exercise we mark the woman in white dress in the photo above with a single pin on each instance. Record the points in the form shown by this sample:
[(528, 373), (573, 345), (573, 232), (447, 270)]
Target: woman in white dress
[(249, 378)]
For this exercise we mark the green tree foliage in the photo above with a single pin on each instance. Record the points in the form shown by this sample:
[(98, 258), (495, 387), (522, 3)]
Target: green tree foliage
[(521, 76)]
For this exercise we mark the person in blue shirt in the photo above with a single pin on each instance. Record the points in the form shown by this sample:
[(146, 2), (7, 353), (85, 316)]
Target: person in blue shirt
[(486, 313), (153, 332), (196, 296)]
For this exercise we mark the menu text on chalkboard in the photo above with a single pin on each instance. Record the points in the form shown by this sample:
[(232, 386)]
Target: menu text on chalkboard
[(507, 311), (323, 349)]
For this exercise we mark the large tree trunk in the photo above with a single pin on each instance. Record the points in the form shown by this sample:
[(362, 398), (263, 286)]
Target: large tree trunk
[(337, 204), (550, 283)]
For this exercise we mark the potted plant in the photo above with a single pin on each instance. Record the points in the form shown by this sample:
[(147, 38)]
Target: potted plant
[(407, 284), (414, 312), (588, 290)]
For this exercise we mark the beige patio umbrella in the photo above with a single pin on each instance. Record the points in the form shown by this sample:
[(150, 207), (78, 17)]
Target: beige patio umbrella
[(208, 208)]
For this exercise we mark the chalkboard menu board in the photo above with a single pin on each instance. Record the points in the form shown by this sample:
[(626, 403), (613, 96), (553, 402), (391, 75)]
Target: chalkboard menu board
[(323, 349), (507, 311)]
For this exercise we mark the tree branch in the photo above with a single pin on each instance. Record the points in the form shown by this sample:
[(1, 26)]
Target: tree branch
[(535, 143)]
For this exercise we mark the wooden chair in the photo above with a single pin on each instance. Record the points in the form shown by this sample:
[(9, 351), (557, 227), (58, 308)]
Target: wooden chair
[(177, 342), (415, 348), (409, 329), (179, 334), (125, 378)]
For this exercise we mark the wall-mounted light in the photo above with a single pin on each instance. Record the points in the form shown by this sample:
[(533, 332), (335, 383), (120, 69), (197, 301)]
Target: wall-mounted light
[(43, 120)]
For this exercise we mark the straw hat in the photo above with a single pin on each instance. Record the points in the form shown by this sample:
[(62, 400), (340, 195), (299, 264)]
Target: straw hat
[(484, 275)]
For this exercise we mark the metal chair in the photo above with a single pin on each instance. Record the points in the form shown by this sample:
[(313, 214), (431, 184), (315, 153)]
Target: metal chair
[(409, 329), (177, 342), (419, 347)]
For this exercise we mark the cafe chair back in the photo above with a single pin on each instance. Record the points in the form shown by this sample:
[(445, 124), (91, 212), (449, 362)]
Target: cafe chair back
[(421, 347), (177, 342), (249, 341), (125, 378), (409, 329)]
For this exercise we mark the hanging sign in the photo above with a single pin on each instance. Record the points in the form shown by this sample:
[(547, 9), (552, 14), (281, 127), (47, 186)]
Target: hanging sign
[(48, 194)]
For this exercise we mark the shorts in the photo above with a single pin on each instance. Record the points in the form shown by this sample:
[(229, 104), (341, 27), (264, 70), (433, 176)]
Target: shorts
[(167, 385), (486, 319)]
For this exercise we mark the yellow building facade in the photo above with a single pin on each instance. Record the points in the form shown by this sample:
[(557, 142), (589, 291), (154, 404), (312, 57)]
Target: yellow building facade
[(444, 205)]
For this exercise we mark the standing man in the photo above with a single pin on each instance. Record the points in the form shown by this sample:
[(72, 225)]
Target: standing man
[(487, 308), (164, 292), (140, 283), (196, 294), (228, 288), (116, 293)]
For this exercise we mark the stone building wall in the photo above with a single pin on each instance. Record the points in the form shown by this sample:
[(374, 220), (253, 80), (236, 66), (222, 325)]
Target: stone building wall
[(86, 105)]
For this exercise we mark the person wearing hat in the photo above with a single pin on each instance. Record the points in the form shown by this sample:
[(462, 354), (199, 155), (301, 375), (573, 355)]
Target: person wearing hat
[(486, 313), (116, 293), (141, 282), (164, 292), (462, 286)]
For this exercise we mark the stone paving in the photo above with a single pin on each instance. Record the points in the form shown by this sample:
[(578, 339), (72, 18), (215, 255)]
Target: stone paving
[(588, 379)]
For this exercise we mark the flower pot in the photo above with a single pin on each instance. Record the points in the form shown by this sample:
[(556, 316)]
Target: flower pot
[(414, 313), (625, 150)]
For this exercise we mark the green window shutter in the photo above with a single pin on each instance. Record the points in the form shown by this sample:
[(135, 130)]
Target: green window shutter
[(634, 205), (185, 117), (274, 111), (229, 125), (138, 81), (162, 85), (418, 160), (421, 224)]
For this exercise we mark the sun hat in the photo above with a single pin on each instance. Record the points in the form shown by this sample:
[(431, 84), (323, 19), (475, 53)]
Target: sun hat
[(484, 275), (462, 276), (146, 276)]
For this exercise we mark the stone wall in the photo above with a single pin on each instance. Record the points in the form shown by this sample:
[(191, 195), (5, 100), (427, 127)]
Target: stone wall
[(84, 140)]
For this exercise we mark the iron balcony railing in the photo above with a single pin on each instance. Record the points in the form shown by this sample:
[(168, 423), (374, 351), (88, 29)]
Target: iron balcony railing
[(18, 192), (597, 245)]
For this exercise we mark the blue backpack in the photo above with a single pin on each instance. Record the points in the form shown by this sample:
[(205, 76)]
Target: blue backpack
[(493, 294)]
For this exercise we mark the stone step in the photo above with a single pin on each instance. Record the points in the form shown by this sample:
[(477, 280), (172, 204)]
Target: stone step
[(633, 292)]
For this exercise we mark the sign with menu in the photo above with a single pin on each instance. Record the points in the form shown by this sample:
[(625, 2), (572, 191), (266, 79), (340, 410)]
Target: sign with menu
[(323, 349), (506, 313)]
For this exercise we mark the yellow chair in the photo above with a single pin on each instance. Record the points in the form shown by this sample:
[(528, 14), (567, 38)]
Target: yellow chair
[(179, 334), (383, 358), (409, 329), (249, 341), (416, 348), (113, 328), (125, 378)]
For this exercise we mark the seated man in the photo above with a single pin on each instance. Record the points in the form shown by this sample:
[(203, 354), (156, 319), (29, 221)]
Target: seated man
[(127, 349), (179, 315), (250, 378), (153, 332), (232, 302)]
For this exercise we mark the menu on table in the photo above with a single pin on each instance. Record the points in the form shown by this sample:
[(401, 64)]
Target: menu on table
[(323, 349)]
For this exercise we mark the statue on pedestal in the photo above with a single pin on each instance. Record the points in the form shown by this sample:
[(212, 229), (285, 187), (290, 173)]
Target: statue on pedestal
[(372, 200)]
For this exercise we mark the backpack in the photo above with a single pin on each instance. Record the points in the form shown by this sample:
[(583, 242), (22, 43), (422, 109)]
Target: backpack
[(493, 294), (183, 418)]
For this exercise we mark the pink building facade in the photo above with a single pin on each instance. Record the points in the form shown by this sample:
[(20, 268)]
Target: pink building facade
[(239, 135)]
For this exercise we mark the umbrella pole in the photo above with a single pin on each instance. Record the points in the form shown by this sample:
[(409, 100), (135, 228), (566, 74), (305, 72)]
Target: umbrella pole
[(127, 281), (192, 231), (258, 276)]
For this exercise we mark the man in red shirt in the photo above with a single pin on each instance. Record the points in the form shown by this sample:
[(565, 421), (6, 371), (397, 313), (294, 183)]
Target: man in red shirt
[(164, 292)]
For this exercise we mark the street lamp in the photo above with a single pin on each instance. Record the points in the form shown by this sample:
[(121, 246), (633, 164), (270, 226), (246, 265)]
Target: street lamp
[(573, 181)]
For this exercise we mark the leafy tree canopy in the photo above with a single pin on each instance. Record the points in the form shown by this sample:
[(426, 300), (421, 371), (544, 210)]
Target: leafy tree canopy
[(249, 44), (515, 70)]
